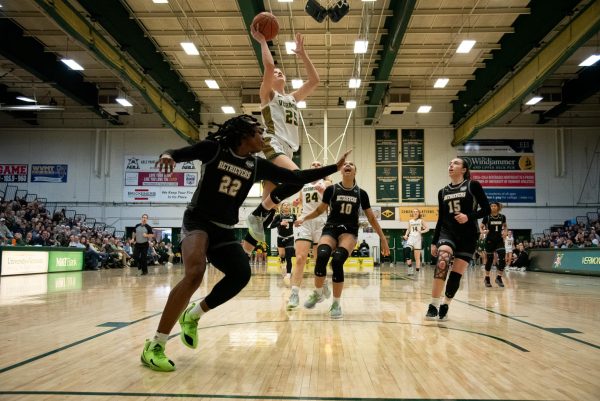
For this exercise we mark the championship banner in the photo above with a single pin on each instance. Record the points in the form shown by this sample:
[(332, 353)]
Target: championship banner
[(386, 165), (144, 183), (504, 167), (13, 172), (56, 173), (428, 213), (413, 165)]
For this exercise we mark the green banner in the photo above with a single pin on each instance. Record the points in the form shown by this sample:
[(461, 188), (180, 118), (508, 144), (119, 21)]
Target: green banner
[(61, 261), (413, 183), (575, 261), (386, 146), (413, 145), (387, 183), (386, 165)]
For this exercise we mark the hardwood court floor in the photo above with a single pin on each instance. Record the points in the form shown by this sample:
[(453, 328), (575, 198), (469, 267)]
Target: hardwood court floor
[(78, 336)]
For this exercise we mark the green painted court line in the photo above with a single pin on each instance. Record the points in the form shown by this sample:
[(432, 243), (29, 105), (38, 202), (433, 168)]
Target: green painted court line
[(235, 397), (546, 329)]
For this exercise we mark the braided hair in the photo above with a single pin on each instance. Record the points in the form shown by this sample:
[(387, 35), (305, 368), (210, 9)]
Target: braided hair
[(231, 133)]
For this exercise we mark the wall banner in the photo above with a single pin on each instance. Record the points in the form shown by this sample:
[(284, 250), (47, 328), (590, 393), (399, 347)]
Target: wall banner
[(55, 173), (13, 172), (413, 165), (144, 183), (386, 165)]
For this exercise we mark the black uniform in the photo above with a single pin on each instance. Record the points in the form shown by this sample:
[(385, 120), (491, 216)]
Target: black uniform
[(495, 225), (467, 198), (344, 205), (285, 234), (225, 182)]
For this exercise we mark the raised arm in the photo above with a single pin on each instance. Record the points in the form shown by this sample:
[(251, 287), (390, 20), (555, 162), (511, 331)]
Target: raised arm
[(266, 87), (315, 213), (204, 151), (312, 75)]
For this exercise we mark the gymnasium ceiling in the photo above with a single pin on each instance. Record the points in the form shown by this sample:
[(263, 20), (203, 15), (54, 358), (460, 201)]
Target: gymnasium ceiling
[(132, 48)]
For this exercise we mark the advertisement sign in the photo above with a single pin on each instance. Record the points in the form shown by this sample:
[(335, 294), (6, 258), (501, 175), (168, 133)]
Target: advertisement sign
[(24, 262), (504, 167), (575, 261), (144, 183), (61, 261), (56, 173), (428, 213), (13, 172)]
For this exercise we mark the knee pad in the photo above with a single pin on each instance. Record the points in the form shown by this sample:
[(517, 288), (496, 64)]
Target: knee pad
[(489, 261), (323, 254), (407, 253), (284, 191), (501, 260), (337, 264), (443, 265), (453, 284)]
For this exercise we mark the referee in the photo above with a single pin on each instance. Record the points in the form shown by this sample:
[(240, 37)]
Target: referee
[(142, 232)]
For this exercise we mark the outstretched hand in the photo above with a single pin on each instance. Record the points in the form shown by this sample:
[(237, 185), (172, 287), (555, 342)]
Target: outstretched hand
[(256, 34), (165, 163), (340, 163), (299, 50)]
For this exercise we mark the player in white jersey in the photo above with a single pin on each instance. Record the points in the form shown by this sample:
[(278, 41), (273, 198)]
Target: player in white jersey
[(414, 240), (308, 234), (282, 119), (509, 242)]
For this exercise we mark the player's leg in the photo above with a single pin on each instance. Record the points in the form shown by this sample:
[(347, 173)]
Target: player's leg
[(301, 248), (346, 243), (417, 259), (501, 265), (442, 268), (327, 244), (489, 251), (194, 249)]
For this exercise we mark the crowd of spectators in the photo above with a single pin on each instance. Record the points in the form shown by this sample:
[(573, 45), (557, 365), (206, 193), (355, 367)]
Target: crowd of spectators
[(30, 224)]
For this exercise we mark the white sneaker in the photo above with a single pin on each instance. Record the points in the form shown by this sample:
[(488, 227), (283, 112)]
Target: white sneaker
[(312, 300), (293, 301), (335, 312), (169, 265), (326, 290), (411, 270), (255, 227), (286, 280)]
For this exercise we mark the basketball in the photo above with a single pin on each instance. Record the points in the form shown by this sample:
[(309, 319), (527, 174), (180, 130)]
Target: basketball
[(267, 24)]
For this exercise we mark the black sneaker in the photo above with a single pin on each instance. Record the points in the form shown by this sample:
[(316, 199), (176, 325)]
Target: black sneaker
[(443, 312), (499, 281), (487, 282), (432, 313)]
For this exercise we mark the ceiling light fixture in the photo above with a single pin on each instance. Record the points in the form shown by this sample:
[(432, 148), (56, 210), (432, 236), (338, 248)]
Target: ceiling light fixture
[(424, 109), (123, 102), (466, 46), (297, 83), (190, 48), (441, 83), (290, 47), (160, 1), (591, 60), (26, 99), (360, 46), (285, 1), (72, 64), (533, 100), (350, 104), (354, 83), (228, 109), (301, 104), (211, 83)]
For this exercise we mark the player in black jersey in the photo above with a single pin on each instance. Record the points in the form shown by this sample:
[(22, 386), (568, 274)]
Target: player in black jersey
[(284, 222), (228, 171), (495, 224), (461, 203), (339, 235)]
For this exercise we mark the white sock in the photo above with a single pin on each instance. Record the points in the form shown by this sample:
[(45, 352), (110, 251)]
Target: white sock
[(447, 300), (197, 311), (288, 275), (160, 338), (336, 300), (435, 302), (295, 289), (319, 291)]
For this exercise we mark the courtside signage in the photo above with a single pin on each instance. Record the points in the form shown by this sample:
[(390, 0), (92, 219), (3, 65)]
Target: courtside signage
[(61, 261), (24, 262)]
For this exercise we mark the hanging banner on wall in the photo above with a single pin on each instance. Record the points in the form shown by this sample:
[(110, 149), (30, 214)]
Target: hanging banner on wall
[(13, 172), (504, 167), (144, 183), (386, 165), (413, 165), (55, 173)]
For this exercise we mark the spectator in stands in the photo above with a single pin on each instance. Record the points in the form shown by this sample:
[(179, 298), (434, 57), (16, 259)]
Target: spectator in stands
[(44, 239), (4, 231), (363, 249), (18, 240), (91, 259)]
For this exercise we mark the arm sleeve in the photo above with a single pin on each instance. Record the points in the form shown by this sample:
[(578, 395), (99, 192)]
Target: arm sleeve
[(149, 229), (482, 201), (204, 151), (328, 194), (268, 171), (438, 225), (276, 221), (364, 200)]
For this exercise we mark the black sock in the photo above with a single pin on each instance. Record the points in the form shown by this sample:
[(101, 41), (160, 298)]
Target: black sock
[(260, 211), (269, 218)]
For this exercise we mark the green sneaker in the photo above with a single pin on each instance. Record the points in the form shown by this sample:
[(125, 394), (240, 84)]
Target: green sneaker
[(189, 328), (312, 300), (335, 312), (154, 357)]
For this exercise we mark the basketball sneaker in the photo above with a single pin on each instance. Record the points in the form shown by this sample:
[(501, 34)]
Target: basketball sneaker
[(335, 312), (411, 270), (255, 227), (189, 328), (487, 282), (293, 301), (287, 280), (432, 313), (443, 314), (153, 356), (326, 290), (499, 281), (312, 300)]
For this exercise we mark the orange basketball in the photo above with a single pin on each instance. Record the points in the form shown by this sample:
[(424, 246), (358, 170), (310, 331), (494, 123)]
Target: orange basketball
[(267, 24)]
